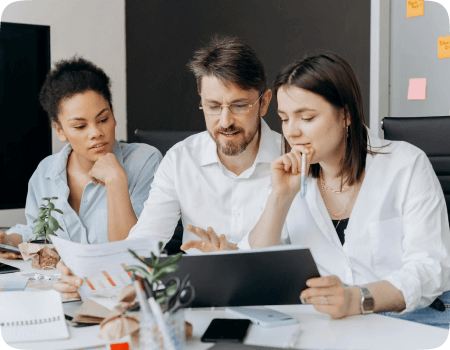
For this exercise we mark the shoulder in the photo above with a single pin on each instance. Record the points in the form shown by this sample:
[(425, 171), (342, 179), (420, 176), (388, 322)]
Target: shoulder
[(139, 152), (402, 153), (190, 144)]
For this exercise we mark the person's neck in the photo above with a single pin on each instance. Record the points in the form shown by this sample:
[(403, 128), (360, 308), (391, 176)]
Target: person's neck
[(243, 161), (79, 164), (330, 172)]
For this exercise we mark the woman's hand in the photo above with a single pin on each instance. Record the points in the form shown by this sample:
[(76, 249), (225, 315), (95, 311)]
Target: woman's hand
[(68, 287), (210, 242), (330, 296), (8, 239), (106, 170), (286, 170)]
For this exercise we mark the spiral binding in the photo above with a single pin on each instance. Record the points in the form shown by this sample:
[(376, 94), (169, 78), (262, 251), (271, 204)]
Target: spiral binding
[(30, 322)]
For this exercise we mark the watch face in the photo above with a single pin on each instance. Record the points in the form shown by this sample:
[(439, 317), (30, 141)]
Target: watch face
[(368, 304)]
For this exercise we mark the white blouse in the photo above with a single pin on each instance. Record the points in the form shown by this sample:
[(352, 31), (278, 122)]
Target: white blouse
[(398, 230)]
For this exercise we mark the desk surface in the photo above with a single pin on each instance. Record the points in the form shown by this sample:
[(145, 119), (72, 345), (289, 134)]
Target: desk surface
[(319, 331)]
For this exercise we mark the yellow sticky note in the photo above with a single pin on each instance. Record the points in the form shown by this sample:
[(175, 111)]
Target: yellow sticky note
[(415, 8), (444, 47), (417, 89)]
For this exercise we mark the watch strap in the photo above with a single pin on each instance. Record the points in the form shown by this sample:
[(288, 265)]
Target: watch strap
[(367, 302)]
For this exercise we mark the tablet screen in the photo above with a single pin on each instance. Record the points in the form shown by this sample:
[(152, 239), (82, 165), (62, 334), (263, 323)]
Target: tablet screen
[(8, 268)]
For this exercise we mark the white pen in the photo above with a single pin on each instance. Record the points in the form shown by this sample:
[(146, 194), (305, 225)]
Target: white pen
[(303, 177)]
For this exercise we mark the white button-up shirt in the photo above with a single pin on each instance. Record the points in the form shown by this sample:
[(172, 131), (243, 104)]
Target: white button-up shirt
[(398, 230), (191, 182)]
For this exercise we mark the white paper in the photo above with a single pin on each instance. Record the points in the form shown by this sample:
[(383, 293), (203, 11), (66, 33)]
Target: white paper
[(102, 266)]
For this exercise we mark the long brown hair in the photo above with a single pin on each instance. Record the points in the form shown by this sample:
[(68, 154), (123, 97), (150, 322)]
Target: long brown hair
[(331, 77)]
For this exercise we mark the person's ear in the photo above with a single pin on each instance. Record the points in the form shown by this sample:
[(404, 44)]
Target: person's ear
[(265, 102), (60, 132)]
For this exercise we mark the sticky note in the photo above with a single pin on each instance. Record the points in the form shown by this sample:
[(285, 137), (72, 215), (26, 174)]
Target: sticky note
[(444, 46), (417, 89), (415, 8)]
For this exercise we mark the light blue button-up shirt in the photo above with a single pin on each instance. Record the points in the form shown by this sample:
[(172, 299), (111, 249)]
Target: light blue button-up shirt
[(140, 162)]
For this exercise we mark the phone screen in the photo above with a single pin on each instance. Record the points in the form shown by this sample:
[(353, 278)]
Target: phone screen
[(7, 268), (226, 330)]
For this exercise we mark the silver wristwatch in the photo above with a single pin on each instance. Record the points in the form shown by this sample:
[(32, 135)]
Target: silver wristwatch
[(367, 302)]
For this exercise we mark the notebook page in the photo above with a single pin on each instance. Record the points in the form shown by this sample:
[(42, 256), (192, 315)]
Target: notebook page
[(32, 316)]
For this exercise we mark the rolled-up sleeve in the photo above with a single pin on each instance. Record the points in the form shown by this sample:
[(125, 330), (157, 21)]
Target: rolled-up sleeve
[(426, 241), (161, 210)]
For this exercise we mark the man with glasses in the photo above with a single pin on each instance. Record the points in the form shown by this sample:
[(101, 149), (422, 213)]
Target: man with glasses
[(218, 181)]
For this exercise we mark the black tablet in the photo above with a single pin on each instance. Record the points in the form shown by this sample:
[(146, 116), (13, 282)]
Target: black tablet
[(8, 268), (9, 248)]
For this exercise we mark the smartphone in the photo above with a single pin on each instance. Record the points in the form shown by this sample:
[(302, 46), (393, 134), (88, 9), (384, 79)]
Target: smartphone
[(262, 316), (8, 268), (9, 248), (226, 330)]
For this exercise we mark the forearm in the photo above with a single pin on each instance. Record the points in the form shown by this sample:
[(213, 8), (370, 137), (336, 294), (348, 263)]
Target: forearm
[(267, 231), (121, 216), (14, 239), (386, 298)]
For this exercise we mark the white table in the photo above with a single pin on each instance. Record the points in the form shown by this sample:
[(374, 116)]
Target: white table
[(319, 331)]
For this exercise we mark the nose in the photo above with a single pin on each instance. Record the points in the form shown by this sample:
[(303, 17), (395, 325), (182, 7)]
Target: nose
[(226, 118), (292, 129), (95, 131)]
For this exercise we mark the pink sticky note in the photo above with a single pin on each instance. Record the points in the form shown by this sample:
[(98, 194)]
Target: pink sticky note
[(417, 89)]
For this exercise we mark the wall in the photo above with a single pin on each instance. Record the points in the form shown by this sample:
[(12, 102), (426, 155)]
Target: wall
[(414, 55), (162, 35), (94, 29)]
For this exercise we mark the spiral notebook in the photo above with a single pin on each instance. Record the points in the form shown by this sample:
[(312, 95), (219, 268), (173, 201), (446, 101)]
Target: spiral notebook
[(32, 316)]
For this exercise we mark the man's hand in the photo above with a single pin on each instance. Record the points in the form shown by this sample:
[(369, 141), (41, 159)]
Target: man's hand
[(328, 295), (210, 242), (68, 287), (107, 169), (8, 239)]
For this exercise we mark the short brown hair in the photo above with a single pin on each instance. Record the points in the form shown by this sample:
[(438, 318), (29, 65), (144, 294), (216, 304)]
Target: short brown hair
[(231, 61), (331, 77)]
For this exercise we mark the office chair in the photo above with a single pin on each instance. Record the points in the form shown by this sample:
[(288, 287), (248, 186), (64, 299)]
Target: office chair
[(163, 141), (431, 135)]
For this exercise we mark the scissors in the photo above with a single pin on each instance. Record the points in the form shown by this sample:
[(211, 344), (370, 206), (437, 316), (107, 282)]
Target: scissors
[(183, 296)]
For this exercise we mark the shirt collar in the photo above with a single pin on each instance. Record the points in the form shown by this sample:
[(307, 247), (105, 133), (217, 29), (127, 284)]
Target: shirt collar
[(269, 147), (60, 162)]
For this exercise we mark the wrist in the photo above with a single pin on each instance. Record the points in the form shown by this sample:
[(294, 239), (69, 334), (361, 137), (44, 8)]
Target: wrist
[(117, 179), (354, 294)]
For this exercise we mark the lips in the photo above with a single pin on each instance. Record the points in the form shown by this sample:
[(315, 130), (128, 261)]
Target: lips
[(99, 145)]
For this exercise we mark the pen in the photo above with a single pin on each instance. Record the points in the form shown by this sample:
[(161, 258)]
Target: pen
[(155, 309), (303, 178)]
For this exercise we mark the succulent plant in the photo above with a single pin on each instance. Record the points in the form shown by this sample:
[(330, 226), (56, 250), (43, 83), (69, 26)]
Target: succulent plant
[(47, 224)]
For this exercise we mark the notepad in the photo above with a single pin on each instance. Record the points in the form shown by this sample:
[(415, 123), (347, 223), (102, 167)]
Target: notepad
[(32, 316)]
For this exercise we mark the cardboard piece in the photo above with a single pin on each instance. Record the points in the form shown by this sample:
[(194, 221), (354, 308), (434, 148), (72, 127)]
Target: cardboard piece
[(415, 8), (417, 89), (41, 255), (444, 47)]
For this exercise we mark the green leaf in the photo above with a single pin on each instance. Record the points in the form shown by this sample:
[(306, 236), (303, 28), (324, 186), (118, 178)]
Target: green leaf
[(155, 260), (42, 214), (142, 261), (35, 220), (139, 269), (173, 260), (61, 228), (53, 223), (45, 199), (54, 198), (51, 206), (163, 272), (42, 208), (39, 227), (58, 211), (160, 246), (48, 231)]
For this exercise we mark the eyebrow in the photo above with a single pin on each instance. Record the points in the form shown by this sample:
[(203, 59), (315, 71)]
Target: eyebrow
[(234, 101), (300, 110), (79, 118)]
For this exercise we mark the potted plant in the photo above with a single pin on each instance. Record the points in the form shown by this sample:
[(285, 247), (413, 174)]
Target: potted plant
[(40, 250)]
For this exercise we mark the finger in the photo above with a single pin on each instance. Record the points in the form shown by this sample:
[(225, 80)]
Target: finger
[(68, 296), (298, 157), (94, 180), (294, 163), (301, 149), (309, 159), (321, 300), (63, 268), (64, 287), (2, 236), (191, 244), (101, 183), (71, 279), (326, 281), (199, 233), (213, 237), (319, 292), (10, 255)]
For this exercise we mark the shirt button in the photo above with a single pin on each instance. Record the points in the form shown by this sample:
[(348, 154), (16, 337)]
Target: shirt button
[(85, 201)]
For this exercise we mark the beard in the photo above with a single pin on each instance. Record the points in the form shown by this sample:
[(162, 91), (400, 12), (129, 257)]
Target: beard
[(235, 147)]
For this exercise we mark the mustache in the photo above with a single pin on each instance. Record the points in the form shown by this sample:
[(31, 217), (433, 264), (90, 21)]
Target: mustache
[(230, 129)]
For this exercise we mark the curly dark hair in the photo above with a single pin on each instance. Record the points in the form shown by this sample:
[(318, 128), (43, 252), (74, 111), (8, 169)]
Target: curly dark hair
[(71, 77)]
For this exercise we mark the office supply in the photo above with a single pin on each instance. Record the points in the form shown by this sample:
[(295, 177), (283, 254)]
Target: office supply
[(270, 276), (226, 330), (222, 346), (444, 46), (155, 309), (303, 177), (5, 268), (183, 296), (9, 248), (10, 283), (102, 266), (417, 89), (262, 316), (32, 316), (415, 8)]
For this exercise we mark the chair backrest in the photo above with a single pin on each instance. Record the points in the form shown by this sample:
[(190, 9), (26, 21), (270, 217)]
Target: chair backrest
[(162, 140), (431, 135)]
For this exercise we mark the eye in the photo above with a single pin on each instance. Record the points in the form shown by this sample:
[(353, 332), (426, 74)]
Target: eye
[(307, 119), (79, 127), (213, 107), (104, 120), (237, 105), (284, 120)]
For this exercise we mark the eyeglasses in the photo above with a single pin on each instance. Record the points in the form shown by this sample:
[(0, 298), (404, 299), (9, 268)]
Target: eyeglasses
[(235, 108)]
